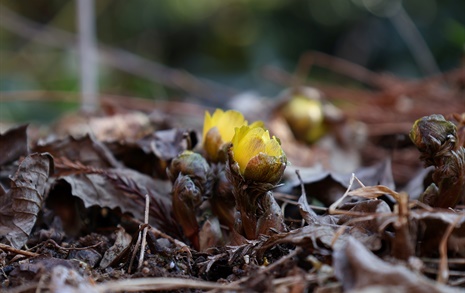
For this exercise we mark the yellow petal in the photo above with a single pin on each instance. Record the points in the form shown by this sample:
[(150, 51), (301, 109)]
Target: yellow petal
[(257, 123), (247, 143), (227, 122), (207, 123), (212, 143), (273, 148)]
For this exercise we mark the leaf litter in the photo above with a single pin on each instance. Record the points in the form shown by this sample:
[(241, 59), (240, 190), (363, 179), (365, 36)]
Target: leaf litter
[(73, 216)]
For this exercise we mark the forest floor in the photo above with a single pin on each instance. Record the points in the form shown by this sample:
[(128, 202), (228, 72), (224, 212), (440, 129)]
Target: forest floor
[(86, 205)]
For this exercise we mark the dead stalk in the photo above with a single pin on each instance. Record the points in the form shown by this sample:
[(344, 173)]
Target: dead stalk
[(144, 233), (18, 251), (443, 274)]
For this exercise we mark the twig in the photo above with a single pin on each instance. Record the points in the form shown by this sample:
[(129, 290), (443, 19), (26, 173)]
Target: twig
[(342, 67), (333, 207), (133, 256), (282, 260), (18, 251), (144, 233), (72, 248), (415, 42), (443, 274)]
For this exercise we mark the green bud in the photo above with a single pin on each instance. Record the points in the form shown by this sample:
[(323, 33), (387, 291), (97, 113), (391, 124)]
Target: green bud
[(433, 136), (190, 164)]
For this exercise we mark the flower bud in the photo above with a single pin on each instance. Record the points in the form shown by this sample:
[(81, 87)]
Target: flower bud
[(187, 197), (190, 164), (259, 157), (305, 116), (433, 136)]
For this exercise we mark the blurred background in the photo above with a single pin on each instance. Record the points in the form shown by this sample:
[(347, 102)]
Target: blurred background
[(207, 51)]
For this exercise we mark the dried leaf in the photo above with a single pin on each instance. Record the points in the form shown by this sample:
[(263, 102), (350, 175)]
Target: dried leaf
[(121, 188), (13, 144), (328, 186), (123, 240), (433, 225), (370, 207), (306, 211), (321, 236), (21, 204), (63, 279), (34, 268), (357, 268), (86, 150), (167, 144)]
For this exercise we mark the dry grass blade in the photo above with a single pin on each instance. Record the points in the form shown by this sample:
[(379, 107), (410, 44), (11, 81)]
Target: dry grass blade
[(146, 284), (372, 192)]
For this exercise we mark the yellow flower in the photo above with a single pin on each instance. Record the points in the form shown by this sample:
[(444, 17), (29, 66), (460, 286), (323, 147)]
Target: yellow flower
[(260, 158), (218, 129)]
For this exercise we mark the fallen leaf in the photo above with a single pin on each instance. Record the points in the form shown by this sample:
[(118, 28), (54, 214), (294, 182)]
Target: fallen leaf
[(20, 206), (86, 150), (357, 269), (13, 144)]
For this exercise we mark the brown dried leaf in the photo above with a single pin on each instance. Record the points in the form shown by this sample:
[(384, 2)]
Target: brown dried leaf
[(323, 235), (123, 240), (353, 262), (167, 144), (13, 144), (329, 186), (120, 188), (86, 150), (21, 204), (369, 207), (374, 192), (433, 225)]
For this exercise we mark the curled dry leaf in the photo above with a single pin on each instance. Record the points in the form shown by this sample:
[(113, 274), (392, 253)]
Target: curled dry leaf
[(123, 240), (20, 206)]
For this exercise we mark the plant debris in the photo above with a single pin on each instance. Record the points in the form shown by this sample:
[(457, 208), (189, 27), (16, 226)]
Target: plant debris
[(146, 207)]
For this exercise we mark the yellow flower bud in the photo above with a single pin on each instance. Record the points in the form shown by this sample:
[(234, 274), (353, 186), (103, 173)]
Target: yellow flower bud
[(218, 129), (305, 117), (260, 158)]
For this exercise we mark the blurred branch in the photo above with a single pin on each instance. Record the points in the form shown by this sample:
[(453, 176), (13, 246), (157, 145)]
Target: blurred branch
[(123, 60), (415, 42), (341, 66), (87, 56)]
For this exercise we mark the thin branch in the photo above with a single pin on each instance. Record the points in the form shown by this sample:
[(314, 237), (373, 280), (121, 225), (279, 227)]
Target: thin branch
[(443, 274), (144, 233), (415, 42), (17, 251)]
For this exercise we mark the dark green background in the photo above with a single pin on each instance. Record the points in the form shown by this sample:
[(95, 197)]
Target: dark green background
[(228, 42)]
